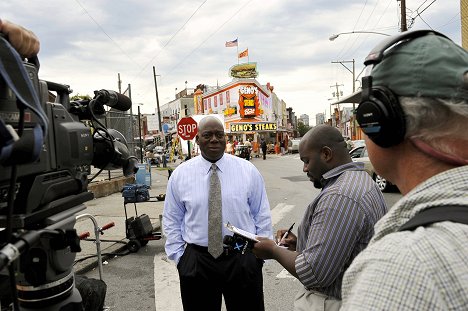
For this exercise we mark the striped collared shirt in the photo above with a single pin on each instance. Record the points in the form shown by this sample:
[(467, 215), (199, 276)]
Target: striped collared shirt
[(336, 226), (423, 269)]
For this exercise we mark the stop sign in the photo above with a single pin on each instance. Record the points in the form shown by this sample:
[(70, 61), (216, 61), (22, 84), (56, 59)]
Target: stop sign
[(187, 128)]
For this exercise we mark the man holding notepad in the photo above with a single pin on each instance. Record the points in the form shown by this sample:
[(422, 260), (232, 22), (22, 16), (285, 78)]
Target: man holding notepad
[(336, 226)]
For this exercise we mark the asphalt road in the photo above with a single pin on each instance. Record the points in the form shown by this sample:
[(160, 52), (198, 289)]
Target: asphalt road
[(146, 280)]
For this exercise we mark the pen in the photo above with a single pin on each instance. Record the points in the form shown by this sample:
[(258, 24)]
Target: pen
[(285, 235)]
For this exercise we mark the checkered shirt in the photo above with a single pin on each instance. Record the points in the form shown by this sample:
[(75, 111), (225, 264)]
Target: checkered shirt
[(423, 269)]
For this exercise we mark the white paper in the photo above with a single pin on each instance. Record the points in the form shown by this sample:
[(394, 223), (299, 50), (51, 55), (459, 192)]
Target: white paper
[(245, 234)]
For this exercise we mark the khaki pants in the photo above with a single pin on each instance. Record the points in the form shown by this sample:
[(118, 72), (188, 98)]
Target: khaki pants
[(314, 301)]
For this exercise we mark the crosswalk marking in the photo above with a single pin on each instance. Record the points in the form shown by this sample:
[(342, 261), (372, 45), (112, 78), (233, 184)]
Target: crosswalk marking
[(279, 212), (166, 284), (284, 274)]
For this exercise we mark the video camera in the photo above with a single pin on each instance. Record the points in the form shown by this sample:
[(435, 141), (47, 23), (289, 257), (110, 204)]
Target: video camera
[(46, 154)]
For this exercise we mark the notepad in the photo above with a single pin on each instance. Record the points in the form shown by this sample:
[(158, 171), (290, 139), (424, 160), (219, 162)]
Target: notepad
[(241, 232)]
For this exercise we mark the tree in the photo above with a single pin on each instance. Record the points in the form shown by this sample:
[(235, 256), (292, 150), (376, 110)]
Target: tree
[(302, 128), (78, 97)]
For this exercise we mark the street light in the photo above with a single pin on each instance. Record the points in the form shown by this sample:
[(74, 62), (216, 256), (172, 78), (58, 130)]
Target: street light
[(334, 36)]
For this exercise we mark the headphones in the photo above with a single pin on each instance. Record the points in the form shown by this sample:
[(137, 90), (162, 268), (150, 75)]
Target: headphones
[(379, 113)]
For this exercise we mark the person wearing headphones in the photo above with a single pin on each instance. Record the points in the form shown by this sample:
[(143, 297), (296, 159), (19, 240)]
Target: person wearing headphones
[(414, 113), (22, 39)]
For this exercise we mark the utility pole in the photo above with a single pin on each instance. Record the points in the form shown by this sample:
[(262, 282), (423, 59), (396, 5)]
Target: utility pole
[(337, 95), (132, 132), (353, 72), (157, 99), (119, 83), (403, 26)]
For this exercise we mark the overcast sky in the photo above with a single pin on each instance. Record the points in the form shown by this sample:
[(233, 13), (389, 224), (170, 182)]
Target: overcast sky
[(86, 43)]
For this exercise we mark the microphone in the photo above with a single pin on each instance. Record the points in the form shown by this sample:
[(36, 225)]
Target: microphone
[(113, 99)]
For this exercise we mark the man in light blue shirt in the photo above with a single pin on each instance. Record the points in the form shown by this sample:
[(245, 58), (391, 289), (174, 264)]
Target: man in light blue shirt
[(203, 278)]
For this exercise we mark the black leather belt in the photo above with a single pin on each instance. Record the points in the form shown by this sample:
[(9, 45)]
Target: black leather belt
[(204, 249)]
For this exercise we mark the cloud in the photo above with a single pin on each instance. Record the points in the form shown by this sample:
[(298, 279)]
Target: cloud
[(87, 43)]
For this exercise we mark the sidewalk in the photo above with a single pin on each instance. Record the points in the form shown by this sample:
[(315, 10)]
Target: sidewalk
[(110, 209)]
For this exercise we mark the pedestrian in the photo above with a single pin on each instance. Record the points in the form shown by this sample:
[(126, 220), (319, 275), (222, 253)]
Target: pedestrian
[(188, 223), (419, 143), (336, 226), (248, 144), (229, 147), (263, 145), (282, 143)]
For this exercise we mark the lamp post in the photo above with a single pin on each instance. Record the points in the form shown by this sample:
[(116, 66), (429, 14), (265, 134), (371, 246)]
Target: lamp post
[(353, 72), (334, 36)]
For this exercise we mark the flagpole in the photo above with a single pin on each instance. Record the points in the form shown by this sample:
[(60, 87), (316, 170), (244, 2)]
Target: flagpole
[(248, 56), (237, 46)]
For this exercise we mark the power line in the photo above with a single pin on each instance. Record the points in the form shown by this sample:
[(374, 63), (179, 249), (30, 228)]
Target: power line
[(169, 41), (209, 37), (102, 29), (419, 13)]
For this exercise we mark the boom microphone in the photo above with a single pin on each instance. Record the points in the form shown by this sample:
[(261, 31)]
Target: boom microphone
[(113, 99)]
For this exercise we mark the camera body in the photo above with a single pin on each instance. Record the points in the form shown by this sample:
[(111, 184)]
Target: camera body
[(42, 190)]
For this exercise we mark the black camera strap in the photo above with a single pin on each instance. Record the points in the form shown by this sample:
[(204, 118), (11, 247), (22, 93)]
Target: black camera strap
[(454, 213), (24, 149)]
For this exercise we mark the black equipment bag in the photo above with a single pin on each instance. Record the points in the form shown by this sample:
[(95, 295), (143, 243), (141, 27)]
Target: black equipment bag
[(139, 226), (92, 291), (133, 193), (454, 213)]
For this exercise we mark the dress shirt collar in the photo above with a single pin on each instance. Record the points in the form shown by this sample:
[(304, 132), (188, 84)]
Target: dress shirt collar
[(221, 164), (335, 172)]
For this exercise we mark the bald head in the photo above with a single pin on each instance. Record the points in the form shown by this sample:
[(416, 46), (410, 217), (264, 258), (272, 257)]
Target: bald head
[(210, 138), (209, 120), (326, 136)]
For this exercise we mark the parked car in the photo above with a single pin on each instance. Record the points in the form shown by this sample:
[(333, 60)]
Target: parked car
[(156, 155), (293, 145), (357, 143), (359, 154)]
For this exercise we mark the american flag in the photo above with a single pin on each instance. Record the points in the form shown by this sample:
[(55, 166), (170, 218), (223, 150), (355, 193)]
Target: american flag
[(231, 43)]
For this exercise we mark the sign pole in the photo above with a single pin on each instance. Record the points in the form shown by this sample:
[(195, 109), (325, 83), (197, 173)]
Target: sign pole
[(188, 148)]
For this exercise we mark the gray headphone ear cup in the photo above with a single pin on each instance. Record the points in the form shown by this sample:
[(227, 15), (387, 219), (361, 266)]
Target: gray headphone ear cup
[(381, 118)]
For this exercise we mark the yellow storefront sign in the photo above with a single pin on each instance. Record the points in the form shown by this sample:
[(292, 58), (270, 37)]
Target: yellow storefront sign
[(252, 127)]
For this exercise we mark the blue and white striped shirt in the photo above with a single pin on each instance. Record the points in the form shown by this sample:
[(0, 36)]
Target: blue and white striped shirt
[(244, 202), (336, 226)]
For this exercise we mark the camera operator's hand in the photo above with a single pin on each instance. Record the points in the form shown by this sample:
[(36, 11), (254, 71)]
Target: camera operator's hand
[(290, 241), (22, 39)]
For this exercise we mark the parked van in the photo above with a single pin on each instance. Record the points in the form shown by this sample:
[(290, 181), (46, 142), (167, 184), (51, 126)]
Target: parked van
[(293, 145)]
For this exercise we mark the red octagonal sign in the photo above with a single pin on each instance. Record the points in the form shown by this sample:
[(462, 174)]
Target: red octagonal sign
[(187, 128)]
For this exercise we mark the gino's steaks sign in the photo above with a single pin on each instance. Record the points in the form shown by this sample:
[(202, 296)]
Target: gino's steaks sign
[(248, 101), (252, 127)]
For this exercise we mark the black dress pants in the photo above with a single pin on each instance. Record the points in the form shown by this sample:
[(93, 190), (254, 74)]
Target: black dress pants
[(204, 279)]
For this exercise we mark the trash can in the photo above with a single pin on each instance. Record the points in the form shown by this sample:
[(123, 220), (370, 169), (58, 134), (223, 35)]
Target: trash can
[(143, 176)]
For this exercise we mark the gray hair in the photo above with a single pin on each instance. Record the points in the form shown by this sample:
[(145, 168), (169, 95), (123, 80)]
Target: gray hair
[(434, 119)]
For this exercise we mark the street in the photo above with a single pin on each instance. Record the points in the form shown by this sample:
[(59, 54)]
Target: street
[(146, 280)]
